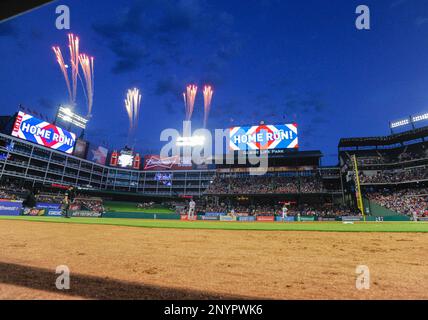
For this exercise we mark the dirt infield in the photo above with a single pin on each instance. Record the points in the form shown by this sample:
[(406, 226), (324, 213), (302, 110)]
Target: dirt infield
[(140, 263)]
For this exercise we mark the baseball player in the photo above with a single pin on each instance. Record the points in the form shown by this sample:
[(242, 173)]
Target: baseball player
[(191, 212), (284, 212), (415, 216), (66, 206)]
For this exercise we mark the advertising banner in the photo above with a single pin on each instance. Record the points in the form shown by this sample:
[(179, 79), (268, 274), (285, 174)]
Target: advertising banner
[(265, 218), (31, 129), (209, 217), (46, 205), (34, 212), (306, 218), (247, 219), (155, 162), (86, 213), (184, 217), (227, 218), (97, 154), (263, 137), (214, 214), (326, 219), (42, 212), (287, 219), (54, 212), (10, 208), (351, 218)]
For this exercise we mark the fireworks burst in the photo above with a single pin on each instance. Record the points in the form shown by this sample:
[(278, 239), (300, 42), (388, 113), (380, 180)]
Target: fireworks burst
[(132, 106), (73, 45), (189, 100), (63, 66), (208, 94), (76, 60), (87, 64)]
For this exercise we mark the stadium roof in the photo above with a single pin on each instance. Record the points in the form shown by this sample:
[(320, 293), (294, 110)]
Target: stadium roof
[(395, 138)]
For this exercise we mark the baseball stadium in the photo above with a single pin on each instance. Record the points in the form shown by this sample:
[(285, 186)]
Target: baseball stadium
[(133, 224)]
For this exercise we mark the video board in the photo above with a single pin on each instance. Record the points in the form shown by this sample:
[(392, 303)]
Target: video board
[(97, 154), (30, 128), (263, 137)]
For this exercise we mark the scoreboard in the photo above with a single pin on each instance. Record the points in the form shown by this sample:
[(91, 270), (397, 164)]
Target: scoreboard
[(30, 128), (263, 137)]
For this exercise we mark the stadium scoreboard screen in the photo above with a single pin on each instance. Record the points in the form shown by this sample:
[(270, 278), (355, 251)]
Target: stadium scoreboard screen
[(30, 128), (263, 137), (125, 159), (164, 178)]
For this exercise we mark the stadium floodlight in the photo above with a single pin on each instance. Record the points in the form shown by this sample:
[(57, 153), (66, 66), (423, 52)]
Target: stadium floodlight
[(420, 117), (410, 120), (399, 123), (190, 141), (67, 115)]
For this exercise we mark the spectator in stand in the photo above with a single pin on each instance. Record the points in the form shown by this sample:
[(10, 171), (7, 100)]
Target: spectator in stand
[(395, 176), (265, 185), (405, 201)]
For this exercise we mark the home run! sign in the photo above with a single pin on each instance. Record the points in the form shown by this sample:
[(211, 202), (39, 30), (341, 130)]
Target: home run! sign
[(43, 133), (264, 137)]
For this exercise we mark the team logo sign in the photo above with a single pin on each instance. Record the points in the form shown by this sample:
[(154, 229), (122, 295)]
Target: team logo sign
[(264, 137), (154, 162), (43, 133)]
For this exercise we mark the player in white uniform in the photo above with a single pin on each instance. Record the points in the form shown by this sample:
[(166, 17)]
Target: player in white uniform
[(284, 212), (232, 212), (191, 212), (415, 216)]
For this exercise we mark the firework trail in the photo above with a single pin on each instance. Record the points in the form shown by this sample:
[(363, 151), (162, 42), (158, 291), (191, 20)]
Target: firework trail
[(132, 106), (87, 64), (74, 59), (208, 95), (60, 60), (189, 100)]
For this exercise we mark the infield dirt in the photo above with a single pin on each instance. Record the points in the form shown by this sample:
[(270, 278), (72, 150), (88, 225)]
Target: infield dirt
[(112, 262)]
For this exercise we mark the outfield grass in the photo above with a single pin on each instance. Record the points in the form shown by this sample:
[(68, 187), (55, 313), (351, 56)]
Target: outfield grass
[(406, 226), (122, 206)]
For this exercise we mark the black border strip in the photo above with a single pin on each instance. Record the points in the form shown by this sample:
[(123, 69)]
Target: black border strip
[(156, 309), (10, 9)]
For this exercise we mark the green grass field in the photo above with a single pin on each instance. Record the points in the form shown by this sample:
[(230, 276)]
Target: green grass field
[(116, 206), (221, 225)]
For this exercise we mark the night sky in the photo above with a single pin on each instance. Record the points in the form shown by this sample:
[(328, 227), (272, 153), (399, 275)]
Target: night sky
[(274, 60)]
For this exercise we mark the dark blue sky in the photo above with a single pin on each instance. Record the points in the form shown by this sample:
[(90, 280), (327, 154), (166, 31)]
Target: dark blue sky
[(272, 60)]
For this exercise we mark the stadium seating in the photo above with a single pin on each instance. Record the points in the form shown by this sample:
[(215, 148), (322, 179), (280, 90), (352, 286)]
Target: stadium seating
[(265, 185)]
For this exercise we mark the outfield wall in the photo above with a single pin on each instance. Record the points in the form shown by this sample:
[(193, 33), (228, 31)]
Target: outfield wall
[(136, 215), (141, 215)]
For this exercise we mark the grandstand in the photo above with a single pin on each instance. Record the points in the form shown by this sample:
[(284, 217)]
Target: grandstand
[(391, 167), (37, 166), (393, 171)]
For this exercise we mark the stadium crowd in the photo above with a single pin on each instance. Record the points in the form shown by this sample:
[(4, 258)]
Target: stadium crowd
[(12, 192), (406, 201), (50, 197), (395, 176), (87, 203), (382, 157), (265, 185), (326, 210)]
